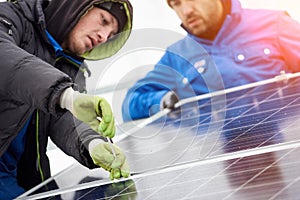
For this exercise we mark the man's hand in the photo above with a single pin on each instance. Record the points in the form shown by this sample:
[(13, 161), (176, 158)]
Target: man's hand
[(169, 100), (102, 155), (87, 108), (92, 110)]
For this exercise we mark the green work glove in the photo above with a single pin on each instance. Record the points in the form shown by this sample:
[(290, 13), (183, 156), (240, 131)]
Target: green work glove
[(92, 110), (103, 156)]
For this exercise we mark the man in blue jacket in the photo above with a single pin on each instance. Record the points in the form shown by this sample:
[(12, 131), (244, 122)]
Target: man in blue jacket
[(225, 46), (43, 45)]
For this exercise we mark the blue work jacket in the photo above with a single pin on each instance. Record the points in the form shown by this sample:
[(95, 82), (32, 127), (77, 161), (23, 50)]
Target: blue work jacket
[(251, 46)]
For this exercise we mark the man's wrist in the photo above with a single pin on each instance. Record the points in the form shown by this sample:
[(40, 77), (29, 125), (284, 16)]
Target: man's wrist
[(67, 97), (94, 143)]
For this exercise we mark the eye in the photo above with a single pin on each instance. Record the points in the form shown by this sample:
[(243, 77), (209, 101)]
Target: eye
[(174, 3), (104, 21)]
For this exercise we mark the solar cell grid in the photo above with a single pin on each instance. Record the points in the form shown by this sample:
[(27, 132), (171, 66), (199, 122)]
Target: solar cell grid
[(240, 145)]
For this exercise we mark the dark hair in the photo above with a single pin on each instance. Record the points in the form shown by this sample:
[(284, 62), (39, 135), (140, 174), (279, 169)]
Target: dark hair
[(117, 10)]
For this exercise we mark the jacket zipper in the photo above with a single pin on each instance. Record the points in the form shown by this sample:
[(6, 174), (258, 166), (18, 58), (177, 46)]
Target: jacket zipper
[(7, 24)]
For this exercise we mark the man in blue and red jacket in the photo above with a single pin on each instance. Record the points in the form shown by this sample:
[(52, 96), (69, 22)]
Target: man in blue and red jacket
[(225, 46)]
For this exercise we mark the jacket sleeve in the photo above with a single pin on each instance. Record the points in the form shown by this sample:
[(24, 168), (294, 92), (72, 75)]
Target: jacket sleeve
[(143, 99), (25, 77), (68, 133), (289, 40), (72, 137)]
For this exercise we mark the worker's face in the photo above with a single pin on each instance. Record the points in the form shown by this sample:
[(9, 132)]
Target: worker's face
[(94, 28), (200, 17)]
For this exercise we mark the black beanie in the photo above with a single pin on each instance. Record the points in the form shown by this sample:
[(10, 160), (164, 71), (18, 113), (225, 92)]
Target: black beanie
[(117, 10)]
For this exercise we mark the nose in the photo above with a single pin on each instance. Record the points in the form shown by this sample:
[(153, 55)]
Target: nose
[(103, 36)]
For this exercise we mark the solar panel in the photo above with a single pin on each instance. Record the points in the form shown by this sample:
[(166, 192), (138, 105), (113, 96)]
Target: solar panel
[(237, 144)]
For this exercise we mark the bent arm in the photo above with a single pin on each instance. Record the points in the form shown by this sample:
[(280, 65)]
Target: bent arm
[(143, 99), (73, 137)]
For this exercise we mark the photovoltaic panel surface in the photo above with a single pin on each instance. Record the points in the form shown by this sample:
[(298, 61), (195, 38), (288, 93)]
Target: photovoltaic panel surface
[(238, 145)]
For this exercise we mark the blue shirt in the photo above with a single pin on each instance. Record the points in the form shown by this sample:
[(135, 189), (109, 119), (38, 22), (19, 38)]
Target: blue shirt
[(8, 166)]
